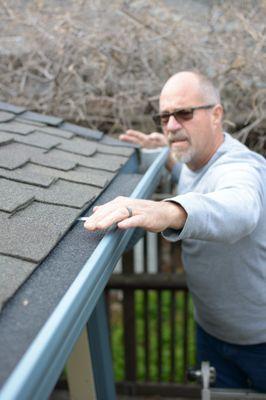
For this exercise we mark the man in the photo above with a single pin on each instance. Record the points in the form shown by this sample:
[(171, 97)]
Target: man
[(220, 216)]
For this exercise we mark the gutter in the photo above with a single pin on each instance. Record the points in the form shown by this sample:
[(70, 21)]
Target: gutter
[(38, 370)]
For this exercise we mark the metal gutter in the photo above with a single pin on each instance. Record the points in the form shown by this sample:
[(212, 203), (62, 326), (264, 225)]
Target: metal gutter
[(38, 370)]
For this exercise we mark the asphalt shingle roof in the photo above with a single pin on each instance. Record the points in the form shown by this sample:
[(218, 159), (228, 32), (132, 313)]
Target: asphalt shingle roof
[(83, 132), (13, 272), (12, 108), (32, 232), (6, 116), (11, 157), (50, 172), (5, 138), (19, 175), (18, 127), (46, 119), (98, 161), (37, 139), (26, 312), (57, 132)]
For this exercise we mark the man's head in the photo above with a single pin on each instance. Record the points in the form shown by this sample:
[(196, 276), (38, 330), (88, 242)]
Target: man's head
[(193, 135)]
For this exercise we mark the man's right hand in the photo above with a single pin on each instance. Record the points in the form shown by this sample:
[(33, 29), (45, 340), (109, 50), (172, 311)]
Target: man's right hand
[(150, 141), (153, 140)]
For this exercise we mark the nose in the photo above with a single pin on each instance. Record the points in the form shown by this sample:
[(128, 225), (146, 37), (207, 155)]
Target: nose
[(173, 124)]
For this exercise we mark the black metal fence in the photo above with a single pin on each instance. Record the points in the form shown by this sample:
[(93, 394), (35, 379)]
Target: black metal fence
[(153, 312)]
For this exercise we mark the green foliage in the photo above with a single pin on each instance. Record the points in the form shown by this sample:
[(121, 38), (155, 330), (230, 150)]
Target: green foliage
[(168, 300)]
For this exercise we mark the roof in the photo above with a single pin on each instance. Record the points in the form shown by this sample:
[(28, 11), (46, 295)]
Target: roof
[(57, 299), (37, 299), (50, 173)]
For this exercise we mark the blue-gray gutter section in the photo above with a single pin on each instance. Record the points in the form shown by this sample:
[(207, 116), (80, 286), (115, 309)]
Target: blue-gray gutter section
[(36, 374)]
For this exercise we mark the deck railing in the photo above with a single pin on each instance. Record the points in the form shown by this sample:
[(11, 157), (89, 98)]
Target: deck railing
[(148, 300)]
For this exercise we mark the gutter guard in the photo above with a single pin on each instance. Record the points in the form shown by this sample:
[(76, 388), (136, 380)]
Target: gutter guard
[(38, 370)]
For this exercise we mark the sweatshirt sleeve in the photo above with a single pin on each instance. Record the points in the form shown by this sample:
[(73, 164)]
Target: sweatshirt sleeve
[(226, 214)]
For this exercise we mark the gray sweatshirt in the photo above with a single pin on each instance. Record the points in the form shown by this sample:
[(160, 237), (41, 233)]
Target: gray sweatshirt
[(224, 242)]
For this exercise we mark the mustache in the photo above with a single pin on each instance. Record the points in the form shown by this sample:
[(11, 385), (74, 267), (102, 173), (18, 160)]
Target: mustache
[(176, 136)]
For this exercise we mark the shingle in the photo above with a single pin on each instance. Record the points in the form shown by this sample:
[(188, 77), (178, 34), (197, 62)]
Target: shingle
[(50, 161), (28, 122), (16, 195), (57, 132), (78, 146), (6, 116), (13, 272), (20, 151), (47, 119), (5, 138), (97, 161), (24, 148), (82, 131), (100, 173), (20, 175), (68, 193), (16, 154), (90, 178), (17, 127), (44, 140), (13, 195), (37, 139), (110, 159), (11, 156), (31, 233), (12, 108), (122, 151)]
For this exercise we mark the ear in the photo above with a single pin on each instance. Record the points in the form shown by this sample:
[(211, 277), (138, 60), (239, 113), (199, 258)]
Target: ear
[(217, 115)]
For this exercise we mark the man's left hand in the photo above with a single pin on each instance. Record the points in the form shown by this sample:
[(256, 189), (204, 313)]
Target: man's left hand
[(153, 216)]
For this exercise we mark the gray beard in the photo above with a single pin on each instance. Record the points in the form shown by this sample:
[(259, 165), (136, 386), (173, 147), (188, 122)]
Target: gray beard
[(185, 157), (180, 156)]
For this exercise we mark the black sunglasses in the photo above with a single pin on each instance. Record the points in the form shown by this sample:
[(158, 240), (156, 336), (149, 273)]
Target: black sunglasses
[(180, 115)]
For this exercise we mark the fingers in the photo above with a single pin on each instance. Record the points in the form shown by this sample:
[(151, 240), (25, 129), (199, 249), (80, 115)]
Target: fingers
[(108, 214), (136, 134), (133, 136), (158, 139), (105, 217), (126, 138), (132, 222), (111, 213), (150, 141)]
